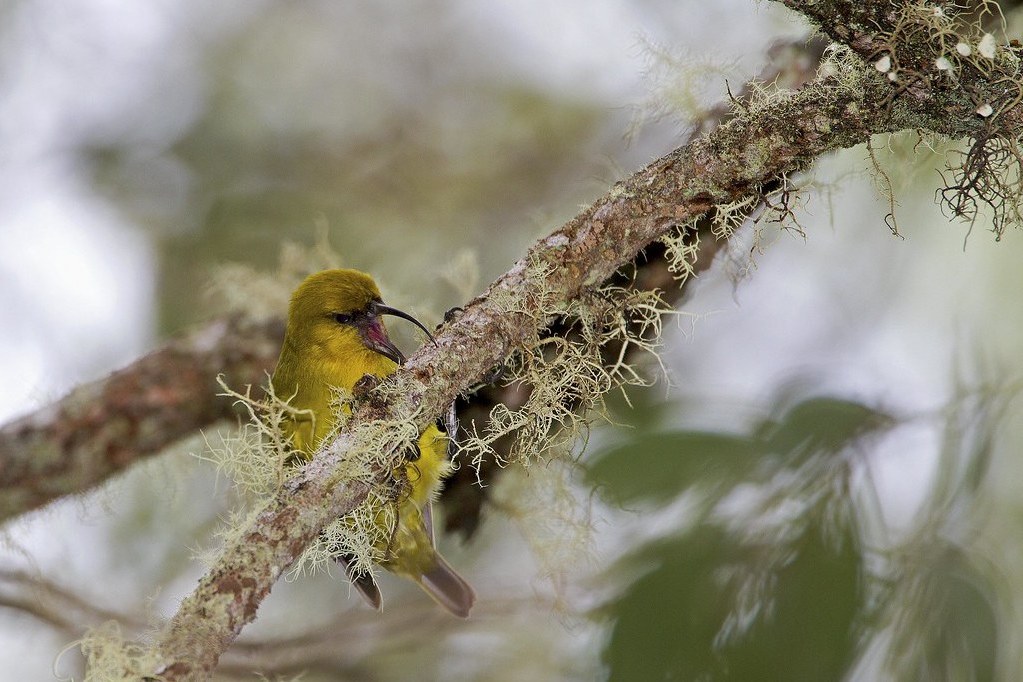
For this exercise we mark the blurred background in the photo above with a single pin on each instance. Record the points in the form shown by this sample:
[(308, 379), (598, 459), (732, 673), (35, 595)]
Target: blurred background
[(822, 485)]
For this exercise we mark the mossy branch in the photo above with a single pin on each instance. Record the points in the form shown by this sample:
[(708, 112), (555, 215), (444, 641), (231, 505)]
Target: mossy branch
[(107, 425), (104, 426)]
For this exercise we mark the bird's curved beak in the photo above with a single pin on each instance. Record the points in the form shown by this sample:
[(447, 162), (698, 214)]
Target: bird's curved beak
[(375, 336)]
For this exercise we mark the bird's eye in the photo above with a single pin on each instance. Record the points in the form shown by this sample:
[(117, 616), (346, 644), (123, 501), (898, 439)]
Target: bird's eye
[(343, 318)]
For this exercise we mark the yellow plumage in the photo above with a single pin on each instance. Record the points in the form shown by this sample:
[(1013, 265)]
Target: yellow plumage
[(335, 337)]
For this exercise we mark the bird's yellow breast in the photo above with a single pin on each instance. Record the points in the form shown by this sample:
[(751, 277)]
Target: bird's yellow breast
[(311, 379)]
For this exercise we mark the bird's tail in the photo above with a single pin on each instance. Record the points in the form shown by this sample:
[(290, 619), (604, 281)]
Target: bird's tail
[(362, 581), (447, 588)]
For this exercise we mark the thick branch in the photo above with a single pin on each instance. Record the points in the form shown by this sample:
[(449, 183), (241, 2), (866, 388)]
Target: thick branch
[(913, 36), (463, 498), (733, 162), (102, 427)]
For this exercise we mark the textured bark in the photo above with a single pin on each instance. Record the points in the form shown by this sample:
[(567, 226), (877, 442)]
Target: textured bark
[(463, 498), (913, 38), (103, 427)]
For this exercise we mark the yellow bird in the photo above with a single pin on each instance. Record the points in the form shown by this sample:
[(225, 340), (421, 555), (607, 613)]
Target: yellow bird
[(335, 337)]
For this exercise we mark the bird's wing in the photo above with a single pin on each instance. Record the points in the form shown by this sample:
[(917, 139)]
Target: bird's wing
[(428, 522)]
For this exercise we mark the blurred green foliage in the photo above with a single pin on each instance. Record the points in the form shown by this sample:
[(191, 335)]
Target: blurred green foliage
[(777, 574), (672, 623), (401, 178)]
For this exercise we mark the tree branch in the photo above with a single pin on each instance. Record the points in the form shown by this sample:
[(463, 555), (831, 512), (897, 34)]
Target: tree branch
[(103, 427), (941, 97), (650, 271)]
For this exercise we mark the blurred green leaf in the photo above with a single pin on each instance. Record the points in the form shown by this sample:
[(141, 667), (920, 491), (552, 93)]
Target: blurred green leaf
[(658, 466), (822, 424), (809, 629), (682, 620), (785, 604), (944, 620), (666, 621)]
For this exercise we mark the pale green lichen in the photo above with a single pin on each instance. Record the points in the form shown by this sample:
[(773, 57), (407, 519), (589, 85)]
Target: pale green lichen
[(109, 657), (566, 377), (258, 459), (683, 86), (681, 249), (254, 457), (363, 534), (551, 510)]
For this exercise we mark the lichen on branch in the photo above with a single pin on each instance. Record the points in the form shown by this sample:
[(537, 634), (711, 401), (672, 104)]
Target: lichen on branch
[(566, 377), (952, 75)]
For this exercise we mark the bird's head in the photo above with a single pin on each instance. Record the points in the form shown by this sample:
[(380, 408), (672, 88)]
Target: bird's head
[(338, 312)]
